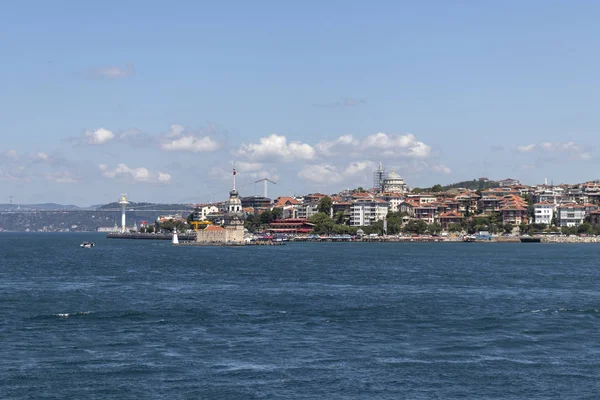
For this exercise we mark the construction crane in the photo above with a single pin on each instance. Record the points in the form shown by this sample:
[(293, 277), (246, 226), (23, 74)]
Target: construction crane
[(196, 224), (266, 180)]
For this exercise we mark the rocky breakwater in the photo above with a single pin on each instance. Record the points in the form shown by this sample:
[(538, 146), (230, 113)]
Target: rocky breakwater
[(570, 239)]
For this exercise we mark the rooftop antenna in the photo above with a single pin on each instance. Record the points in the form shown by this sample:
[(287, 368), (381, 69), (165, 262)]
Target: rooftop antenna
[(265, 180)]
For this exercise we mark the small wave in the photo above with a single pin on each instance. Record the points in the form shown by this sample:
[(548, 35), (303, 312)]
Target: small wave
[(94, 314), (243, 366), (75, 314), (562, 310)]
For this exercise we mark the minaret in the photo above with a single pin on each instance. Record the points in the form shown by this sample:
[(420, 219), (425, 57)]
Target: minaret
[(123, 202)]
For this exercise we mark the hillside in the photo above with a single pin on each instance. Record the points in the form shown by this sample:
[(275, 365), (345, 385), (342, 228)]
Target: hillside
[(145, 206), (475, 184)]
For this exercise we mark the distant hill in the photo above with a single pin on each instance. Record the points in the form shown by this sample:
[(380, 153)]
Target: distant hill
[(145, 206), (42, 206)]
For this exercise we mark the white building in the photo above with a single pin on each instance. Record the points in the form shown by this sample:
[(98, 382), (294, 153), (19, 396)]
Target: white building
[(543, 212), (202, 210), (393, 200), (364, 212), (306, 211), (394, 183), (570, 215)]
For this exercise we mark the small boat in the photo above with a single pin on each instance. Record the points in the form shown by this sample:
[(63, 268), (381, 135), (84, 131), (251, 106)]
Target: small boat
[(87, 245), (530, 239)]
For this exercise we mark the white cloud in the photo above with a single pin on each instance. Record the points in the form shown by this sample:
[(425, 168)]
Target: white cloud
[(41, 156), (246, 171), (61, 177), (191, 143), (99, 136), (174, 131), (380, 144), (405, 145), (571, 149), (11, 154), (320, 173), (164, 177), (140, 174), (12, 176), (113, 72), (327, 173), (245, 167), (328, 149), (441, 168), (275, 147), (526, 148)]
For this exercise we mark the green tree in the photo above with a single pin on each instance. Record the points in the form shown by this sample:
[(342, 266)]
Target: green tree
[(455, 227), (266, 217), (323, 224), (508, 228), (172, 224), (394, 222), (434, 228), (437, 188), (416, 226), (375, 227), (537, 227), (523, 228), (252, 223), (586, 228), (325, 205), (339, 218), (277, 213)]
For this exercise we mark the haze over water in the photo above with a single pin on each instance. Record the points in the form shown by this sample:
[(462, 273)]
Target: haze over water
[(141, 319)]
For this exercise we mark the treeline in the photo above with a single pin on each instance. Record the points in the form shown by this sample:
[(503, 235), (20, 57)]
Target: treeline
[(475, 184)]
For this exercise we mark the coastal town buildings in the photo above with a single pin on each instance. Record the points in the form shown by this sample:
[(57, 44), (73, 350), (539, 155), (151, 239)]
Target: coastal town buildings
[(448, 218), (201, 211), (570, 215), (364, 212), (543, 212), (595, 217), (507, 204), (305, 211), (232, 231)]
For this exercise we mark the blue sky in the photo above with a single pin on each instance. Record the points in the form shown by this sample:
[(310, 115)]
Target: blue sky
[(157, 100)]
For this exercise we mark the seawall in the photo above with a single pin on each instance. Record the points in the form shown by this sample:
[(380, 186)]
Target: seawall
[(150, 236)]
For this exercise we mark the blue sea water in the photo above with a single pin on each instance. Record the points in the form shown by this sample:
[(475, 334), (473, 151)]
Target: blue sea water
[(142, 319)]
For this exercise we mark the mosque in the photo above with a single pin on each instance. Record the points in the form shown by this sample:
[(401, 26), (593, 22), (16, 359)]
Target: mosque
[(394, 183), (232, 231)]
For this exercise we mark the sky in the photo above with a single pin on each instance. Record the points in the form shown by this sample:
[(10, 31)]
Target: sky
[(158, 99)]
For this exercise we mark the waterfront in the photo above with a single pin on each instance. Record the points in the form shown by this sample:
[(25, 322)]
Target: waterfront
[(144, 319)]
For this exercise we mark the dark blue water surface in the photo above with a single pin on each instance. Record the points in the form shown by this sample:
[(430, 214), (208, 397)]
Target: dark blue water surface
[(143, 319)]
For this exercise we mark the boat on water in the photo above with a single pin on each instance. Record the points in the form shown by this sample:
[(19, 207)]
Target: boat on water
[(530, 239), (87, 245)]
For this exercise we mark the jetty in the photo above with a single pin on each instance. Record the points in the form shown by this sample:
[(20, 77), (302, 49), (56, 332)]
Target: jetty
[(150, 236)]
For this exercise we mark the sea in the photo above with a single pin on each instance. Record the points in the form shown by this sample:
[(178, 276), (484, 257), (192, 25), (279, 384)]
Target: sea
[(132, 319)]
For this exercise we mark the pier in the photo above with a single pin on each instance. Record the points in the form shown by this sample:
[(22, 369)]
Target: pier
[(150, 236)]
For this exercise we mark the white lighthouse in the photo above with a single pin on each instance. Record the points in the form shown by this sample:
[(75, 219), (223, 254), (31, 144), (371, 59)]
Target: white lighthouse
[(123, 202)]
